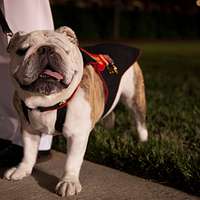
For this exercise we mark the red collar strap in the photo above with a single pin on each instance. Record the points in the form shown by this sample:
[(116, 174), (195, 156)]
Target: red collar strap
[(61, 112), (57, 106)]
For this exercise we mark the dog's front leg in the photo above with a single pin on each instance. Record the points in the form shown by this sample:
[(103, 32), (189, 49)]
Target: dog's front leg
[(69, 183), (77, 129), (31, 143)]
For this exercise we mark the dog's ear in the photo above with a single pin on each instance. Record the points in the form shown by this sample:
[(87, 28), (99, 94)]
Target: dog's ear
[(14, 40), (69, 33)]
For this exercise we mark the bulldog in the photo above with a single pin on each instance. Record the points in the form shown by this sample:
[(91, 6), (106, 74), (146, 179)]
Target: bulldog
[(60, 87)]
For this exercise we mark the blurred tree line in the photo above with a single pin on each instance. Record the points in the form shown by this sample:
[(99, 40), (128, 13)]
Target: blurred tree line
[(100, 19)]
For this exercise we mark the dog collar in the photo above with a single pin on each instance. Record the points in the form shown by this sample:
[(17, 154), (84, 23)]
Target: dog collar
[(61, 108), (44, 109), (57, 106)]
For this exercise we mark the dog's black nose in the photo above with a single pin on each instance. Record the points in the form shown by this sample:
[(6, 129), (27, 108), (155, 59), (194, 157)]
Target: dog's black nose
[(45, 50)]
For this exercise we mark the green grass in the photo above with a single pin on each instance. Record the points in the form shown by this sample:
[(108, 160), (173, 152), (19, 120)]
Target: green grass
[(172, 154)]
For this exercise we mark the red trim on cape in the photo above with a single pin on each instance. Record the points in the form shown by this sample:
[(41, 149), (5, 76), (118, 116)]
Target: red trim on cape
[(99, 65)]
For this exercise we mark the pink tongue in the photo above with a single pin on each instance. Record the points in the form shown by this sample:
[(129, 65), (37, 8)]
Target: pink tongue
[(56, 75)]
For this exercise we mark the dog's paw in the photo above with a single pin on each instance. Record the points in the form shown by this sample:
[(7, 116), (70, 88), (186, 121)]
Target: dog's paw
[(143, 133), (68, 186), (16, 173)]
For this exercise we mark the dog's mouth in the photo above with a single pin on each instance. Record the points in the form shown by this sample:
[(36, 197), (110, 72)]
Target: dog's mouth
[(49, 73), (48, 82)]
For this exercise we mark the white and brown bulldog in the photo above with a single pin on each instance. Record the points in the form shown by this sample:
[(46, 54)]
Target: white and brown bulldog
[(63, 88)]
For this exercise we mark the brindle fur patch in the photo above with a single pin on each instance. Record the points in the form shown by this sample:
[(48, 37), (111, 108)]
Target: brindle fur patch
[(139, 100), (94, 92)]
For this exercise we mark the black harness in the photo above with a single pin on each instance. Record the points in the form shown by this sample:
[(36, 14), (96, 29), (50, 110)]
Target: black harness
[(61, 114)]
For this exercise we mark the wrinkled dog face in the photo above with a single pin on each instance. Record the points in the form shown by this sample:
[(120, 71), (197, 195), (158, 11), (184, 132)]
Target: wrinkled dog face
[(46, 62)]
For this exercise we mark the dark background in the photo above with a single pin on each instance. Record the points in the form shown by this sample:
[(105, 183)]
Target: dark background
[(127, 19)]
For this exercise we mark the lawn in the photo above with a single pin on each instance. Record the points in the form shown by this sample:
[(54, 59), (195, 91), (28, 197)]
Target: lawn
[(172, 154)]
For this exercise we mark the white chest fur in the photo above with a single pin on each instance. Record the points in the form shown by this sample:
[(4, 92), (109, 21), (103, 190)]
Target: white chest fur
[(43, 121)]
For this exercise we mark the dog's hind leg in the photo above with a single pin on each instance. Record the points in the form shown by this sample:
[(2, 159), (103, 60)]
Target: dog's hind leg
[(133, 95)]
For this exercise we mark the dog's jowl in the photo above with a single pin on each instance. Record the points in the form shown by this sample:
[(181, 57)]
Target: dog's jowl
[(60, 87)]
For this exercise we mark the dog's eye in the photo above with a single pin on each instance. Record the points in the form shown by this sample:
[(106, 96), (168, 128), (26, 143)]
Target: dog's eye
[(22, 51)]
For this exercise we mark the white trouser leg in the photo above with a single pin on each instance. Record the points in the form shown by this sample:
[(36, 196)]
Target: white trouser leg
[(45, 141)]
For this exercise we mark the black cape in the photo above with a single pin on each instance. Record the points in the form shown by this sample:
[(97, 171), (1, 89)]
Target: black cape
[(123, 57)]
